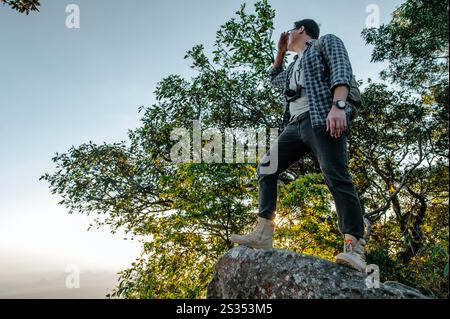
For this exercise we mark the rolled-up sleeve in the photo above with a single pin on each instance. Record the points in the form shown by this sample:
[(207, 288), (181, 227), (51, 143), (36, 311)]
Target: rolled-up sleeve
[(338, 61), (278, 77)]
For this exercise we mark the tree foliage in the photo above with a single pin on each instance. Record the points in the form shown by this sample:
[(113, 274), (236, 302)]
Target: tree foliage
[(406, 132), (415, 43), (22, 6)]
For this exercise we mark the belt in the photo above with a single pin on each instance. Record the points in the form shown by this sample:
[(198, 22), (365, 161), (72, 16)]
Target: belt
[(299, 117)]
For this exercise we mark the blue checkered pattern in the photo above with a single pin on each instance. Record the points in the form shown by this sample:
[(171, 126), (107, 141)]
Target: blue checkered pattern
[(321, 77)]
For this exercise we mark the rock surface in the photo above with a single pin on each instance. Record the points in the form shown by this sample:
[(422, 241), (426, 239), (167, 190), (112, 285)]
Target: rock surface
[(250, 273)]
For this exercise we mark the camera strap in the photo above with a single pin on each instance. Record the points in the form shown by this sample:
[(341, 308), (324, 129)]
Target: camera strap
[(290, 70)]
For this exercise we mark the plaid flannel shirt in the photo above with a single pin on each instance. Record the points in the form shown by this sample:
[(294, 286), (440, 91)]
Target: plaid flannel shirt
[(321, 78)]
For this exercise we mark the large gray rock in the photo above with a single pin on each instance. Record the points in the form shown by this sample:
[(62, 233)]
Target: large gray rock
[(249, 273)]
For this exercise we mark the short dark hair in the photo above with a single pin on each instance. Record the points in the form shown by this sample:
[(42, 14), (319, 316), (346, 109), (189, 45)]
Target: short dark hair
[(311, 27)]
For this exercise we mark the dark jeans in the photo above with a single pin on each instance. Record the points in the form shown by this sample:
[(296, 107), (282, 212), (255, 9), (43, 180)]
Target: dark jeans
[(297, 140)]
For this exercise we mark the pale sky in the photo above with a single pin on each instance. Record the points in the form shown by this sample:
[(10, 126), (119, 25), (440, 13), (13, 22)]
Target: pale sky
[(61, 87)]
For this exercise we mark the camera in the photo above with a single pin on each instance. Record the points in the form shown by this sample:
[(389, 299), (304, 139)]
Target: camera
[(292, 95)]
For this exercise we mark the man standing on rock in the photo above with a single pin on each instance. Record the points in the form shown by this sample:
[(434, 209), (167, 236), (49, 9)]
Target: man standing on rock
[(315, 120)]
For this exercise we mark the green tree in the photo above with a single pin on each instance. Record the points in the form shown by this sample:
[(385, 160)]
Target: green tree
[(404, 145), (23, 6), (415, 43)]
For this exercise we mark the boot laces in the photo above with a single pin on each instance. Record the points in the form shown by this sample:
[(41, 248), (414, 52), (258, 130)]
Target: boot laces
[(358, 248)]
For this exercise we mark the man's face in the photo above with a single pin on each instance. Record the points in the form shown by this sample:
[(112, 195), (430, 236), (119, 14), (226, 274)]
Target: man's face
[(295, 36)]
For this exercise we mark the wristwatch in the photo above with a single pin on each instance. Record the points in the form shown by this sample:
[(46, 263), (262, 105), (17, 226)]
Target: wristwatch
[(340, 104)]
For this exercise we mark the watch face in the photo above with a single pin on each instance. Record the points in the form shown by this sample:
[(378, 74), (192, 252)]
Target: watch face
[(341, 104)]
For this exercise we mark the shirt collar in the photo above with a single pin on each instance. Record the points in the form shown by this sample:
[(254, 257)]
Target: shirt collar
[(309, 42)]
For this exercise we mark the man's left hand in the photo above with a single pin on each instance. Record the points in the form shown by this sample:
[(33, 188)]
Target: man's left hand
[(336, 122)]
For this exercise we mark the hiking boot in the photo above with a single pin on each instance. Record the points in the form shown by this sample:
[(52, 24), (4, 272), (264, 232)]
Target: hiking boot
[(353, 255), (260, 237)]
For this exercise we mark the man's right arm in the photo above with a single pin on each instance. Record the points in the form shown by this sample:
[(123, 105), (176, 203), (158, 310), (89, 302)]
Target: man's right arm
[(278, 74)]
